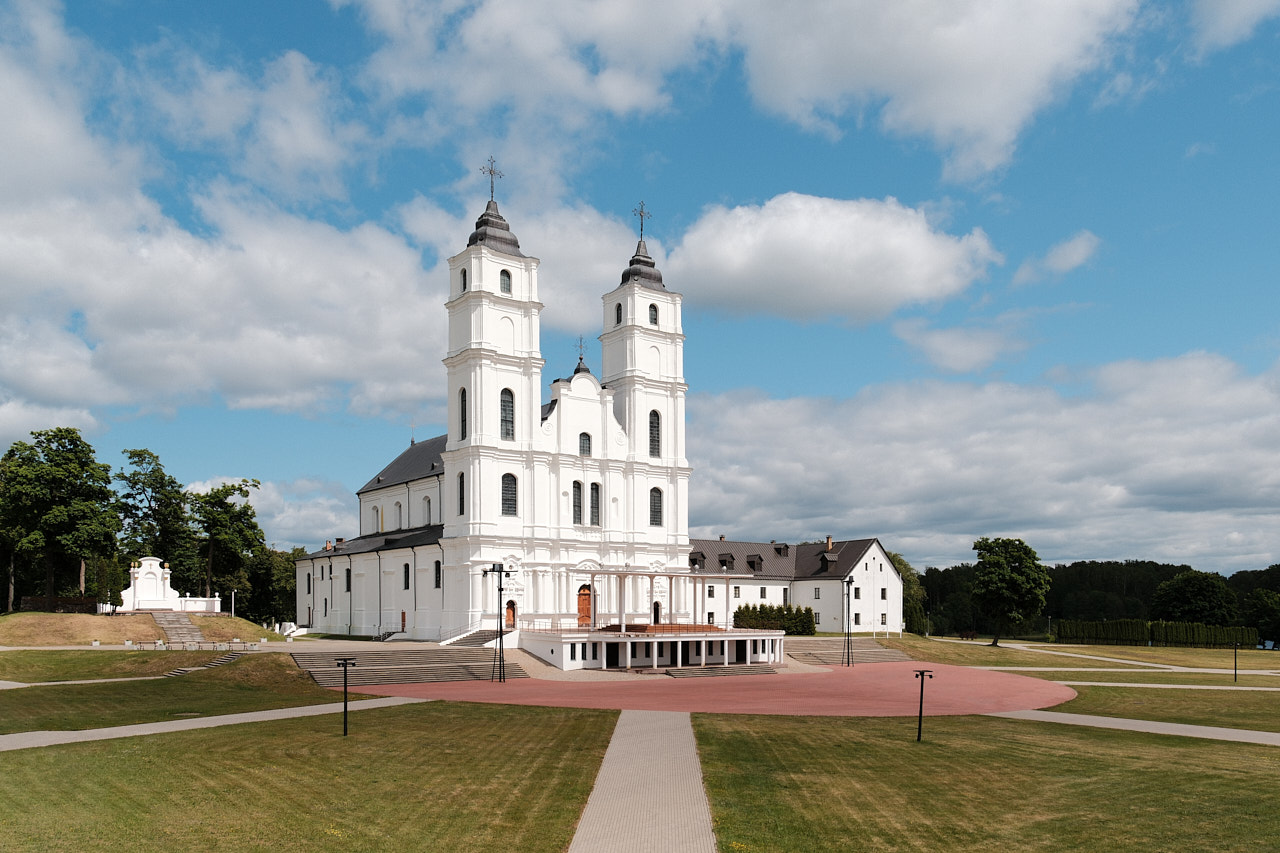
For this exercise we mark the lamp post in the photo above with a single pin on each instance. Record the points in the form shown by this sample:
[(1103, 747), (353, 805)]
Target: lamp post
[(1235, 662), (921, 674), (233, 604), (847, 658), (345, 663), (499, 671)]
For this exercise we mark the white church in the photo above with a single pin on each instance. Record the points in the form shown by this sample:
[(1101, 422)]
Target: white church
[(577, 508)]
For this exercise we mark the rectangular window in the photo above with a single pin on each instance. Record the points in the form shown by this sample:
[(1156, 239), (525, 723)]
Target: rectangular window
[(763, 594), (882, 618), (438, 578), (817, 618), (595, 504), (348, 580), (406, 575), (577, 502), (785, 596), (711, 619), (573, 652), (584, 651), (737, 592), (857, 593), (884, 594), (857, 618), (817, 593), (711, 591)]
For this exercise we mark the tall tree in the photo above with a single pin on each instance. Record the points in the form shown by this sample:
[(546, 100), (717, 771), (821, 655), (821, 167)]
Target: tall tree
[(1193, 596), (273, 578), (56, 505), (153, 510), (229, 534), (1262, 611), (913, 595), (1009, 584)]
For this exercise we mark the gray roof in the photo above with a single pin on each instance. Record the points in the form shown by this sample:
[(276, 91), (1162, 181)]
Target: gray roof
[(493, 231), (421, 459), (778, 560), (642, 270), (427, 535)]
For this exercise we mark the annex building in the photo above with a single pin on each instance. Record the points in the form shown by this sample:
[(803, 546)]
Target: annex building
[(582, 501)]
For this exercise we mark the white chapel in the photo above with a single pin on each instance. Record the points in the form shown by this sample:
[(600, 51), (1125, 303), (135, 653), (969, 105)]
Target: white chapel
[(581, 502)]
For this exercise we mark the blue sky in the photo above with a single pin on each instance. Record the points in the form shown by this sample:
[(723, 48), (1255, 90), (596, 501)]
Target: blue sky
[(950, 270)]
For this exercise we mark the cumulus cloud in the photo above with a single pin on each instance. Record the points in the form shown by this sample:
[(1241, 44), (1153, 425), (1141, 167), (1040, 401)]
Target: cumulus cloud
[(1132, 468), (960, 349), (1217, 24), (1060, 259), (805, 257), (304, 513)]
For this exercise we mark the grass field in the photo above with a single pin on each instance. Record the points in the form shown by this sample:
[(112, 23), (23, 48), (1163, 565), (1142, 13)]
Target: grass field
[(435, 776), (75, 629), (975, 654), (253, 683), (34, 666), (802, 785), (1161, 676), (1234, 710), (1209, 658)]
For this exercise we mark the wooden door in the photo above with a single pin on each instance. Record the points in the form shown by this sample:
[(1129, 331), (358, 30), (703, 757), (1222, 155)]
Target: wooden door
[(584, 605), (511, 614)]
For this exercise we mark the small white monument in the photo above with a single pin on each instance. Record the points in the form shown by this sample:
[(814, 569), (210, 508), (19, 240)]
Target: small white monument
[(149, 589)]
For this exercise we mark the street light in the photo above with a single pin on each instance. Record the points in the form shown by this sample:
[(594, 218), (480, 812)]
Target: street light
[(499, 671), (345, 663), (233, 604), (921, 674), (847, 658)]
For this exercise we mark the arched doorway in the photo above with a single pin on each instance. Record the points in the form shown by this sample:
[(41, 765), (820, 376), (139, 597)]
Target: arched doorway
[(584, 605), (657, 612), (511, 614)]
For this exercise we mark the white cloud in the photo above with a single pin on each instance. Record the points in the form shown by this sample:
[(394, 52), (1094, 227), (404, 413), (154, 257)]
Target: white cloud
[(1217, 24), (1169, 460), (304, 513), (1062, 258), (805, 257), (960, 349)]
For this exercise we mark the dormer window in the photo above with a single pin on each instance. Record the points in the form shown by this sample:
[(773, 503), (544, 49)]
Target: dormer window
[(653, 315), (504, 281), (463, 279)]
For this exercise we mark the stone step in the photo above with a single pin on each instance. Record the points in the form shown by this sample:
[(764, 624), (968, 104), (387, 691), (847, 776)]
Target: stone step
[(404, 666), (714, 670), (222, 661), (177, 627), (475, 639)]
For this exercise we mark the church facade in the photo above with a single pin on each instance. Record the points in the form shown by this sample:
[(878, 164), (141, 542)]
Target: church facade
[(566, 521)]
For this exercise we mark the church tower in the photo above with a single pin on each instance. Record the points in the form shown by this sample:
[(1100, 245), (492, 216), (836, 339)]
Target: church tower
[(494, 378), (643, 363)]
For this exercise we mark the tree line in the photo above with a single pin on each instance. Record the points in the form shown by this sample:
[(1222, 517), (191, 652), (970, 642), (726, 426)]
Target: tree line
[(70, 526), (1115, 590)]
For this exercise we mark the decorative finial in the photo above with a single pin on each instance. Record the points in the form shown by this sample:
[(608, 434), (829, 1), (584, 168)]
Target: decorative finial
[(642, 213), (492, 173), (582, 348)]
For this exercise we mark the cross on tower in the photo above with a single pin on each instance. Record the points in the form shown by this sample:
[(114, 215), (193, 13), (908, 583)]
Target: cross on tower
[(582, 348), (492, 173), (642, 213)]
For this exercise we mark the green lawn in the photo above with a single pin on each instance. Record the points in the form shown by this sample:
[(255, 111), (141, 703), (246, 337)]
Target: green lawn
[(1207, 658), (435, 776), (801, 784), (1234, 710), (1160, 676), (33, 666), (253, 683), (974, 654)]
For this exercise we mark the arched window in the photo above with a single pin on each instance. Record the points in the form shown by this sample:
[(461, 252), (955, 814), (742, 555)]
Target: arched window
[(399, 515), (504, 281), (509, 505), (655, 507), (653, 315), (462, 414), (426, 510), (507, 414), (584, 444), (462, 494), (595, 504), (617, 314), (377, 520), (438, 578), (464, 280), (577, 502), (406, 575), (655, 433)]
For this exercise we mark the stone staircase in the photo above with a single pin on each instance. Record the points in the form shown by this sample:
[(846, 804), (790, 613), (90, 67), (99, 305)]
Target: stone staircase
[(222, 661), (177, 627), (712, 670), (413, 665), (829, 651), (476, 639)]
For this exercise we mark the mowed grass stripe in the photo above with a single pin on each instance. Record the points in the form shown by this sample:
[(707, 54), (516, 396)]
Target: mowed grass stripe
[(1259, 711), (435, 776), (975, 783), (34, 666)]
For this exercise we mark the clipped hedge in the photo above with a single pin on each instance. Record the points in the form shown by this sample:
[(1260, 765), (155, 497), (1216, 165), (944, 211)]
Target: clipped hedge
[(793, 620), (1138, 632)]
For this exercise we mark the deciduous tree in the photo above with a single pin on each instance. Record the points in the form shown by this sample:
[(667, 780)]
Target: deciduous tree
[(1193, 596), (229, 534), (1009, 584)]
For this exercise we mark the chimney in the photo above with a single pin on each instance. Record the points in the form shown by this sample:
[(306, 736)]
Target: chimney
[(341, 540), (721, 537), (828, 543), (328, 546)]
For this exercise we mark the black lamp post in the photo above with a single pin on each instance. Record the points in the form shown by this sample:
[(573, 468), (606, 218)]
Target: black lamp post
[(1235, 662), (499, 671), (847, 658), (921, 674), (345, 663)]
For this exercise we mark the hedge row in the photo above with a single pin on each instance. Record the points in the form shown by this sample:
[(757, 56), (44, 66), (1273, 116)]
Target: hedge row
[(1138, 632), (793, 620)]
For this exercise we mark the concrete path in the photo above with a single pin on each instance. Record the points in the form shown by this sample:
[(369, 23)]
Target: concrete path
[(27, 740), (648, 796), (1181, 729), (1169, 686)]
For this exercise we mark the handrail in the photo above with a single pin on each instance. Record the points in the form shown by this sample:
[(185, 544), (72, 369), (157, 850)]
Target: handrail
[(453, 635)]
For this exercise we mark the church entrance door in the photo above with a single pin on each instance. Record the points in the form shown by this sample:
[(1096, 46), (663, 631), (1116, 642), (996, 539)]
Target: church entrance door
[(611, 655), (657, 612), (511, 614), (584, 605)]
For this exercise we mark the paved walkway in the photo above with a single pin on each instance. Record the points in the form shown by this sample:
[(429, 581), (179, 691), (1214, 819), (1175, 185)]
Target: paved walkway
[(1151, 726), (27, 740), (648, 796)]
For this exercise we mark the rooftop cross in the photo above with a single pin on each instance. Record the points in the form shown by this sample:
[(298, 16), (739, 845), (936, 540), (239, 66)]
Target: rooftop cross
[(582, 348), (642, 213), (489, 170)]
